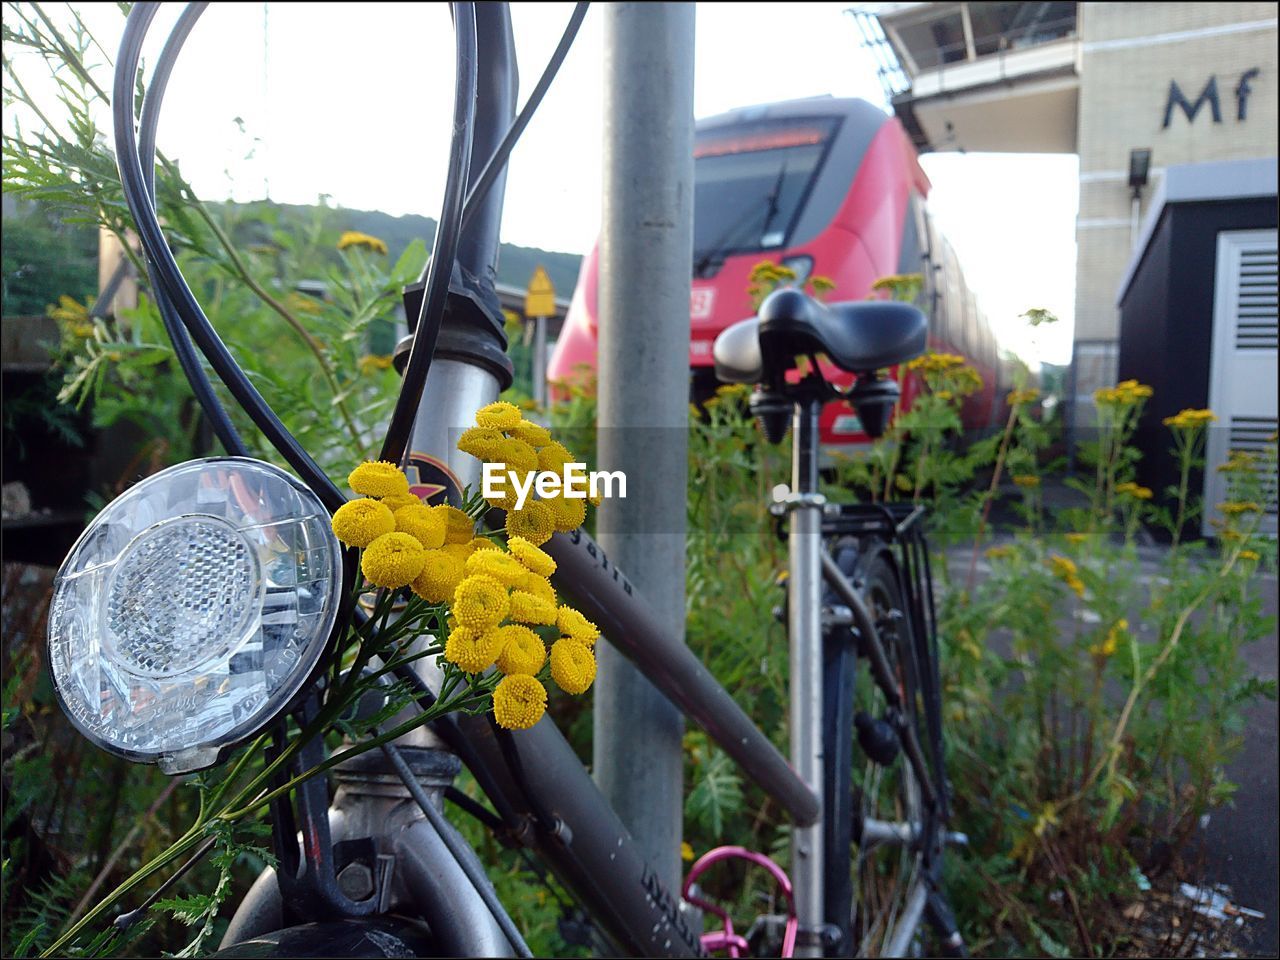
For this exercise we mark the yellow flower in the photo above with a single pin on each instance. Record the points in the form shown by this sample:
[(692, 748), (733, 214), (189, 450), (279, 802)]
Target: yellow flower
[(459, 528), (999, 553), (573, 666), (519, 701), (459, 551), (472, 650), (535, 435), (522, 650), (423, 523), (1189, 419), (538, 586), (1108, 645), (1077, 538), (821, 285), (398, 500), (393, 560), (374, 364), (480, 602), (503, 567), (554, 456), (480, 442), (358, 523), (896, 282), (944, 394), (519, 457), (506, 501), (1131, 489), (1239, 461), (378, 478), (440, 576), (1250, 555), (1125, 393), (498, 415), (936, 362), (529, 608), (1017, 397), (573, 624), (1065, 570), (1026, 480), (567, 513), (534, 522), (354, 238), (686, 851), (534, 559), (1233, 508)]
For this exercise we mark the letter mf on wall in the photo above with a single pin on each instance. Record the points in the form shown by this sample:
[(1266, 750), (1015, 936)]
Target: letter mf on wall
[(1209, 95)]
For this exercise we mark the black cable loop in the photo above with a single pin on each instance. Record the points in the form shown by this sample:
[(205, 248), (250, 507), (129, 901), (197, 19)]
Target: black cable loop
[(170, 276), (499, 159), (183, 348), (440, 267)]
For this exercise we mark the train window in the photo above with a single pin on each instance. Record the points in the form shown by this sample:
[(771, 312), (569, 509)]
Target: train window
[(750, 181)]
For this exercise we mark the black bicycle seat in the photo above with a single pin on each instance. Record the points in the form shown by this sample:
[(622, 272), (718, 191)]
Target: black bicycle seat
[(857, 336)]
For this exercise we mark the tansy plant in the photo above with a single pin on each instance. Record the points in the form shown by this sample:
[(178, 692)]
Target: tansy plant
[(495, 600)]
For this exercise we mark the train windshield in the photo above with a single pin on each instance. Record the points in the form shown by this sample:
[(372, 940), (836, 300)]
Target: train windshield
[(749, 182)]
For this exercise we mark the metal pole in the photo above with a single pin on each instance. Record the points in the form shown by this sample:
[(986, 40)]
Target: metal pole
[(804, 634), (540, 360), (646, 252)]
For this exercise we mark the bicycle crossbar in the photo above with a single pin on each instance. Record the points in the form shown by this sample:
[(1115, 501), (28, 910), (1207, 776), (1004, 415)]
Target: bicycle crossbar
[(603, 593)]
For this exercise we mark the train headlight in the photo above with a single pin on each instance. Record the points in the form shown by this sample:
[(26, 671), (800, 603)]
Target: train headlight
[(192, 610)]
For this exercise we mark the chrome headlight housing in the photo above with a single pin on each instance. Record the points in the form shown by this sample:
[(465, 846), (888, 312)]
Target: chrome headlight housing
[(193, 609)]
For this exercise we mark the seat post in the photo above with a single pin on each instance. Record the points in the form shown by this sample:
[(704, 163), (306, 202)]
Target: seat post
[(804, 629)]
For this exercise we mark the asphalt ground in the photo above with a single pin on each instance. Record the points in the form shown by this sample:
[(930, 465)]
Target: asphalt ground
[(1240, 842)]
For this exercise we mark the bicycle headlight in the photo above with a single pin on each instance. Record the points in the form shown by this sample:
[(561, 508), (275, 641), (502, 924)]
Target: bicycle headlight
[(192, 610)]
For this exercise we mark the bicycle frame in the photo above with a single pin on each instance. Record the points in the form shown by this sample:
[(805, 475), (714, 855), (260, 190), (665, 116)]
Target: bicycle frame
[(533, 778)]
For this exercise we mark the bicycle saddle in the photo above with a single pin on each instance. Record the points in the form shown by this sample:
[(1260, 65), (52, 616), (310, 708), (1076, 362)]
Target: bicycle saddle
[(857, 336)]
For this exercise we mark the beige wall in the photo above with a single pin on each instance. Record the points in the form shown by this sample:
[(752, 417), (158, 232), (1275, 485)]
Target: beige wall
[(1124, 85)]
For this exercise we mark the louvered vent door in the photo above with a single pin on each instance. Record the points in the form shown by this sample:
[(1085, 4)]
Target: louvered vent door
[(1242, 373)]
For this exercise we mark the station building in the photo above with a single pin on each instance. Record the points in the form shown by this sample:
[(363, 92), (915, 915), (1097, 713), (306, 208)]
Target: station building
[(1172, 110)]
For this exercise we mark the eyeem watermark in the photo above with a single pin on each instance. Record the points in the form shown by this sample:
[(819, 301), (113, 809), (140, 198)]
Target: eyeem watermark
[(572, 481)]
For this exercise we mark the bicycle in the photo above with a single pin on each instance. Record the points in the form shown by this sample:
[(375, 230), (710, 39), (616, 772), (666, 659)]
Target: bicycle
[(380, 868)]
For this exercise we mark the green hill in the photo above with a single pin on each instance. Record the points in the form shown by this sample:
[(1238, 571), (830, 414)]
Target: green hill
[(515, 263)]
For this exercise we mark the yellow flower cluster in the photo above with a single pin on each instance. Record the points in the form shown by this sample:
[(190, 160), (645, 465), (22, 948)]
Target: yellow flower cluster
[(999, 553), (1131, 489), (1124, 393), (1250, 555), (768, 272), (1065, 570), (1234, 508), (1239, 461), (820, 285), (495, 597), (1112, 640), (405, 542), (936, 362), (1190, 419), (502, 436), (501, 598), (1027, 480), (894, 282), (1017, 397), (373, 363), (354, 238)]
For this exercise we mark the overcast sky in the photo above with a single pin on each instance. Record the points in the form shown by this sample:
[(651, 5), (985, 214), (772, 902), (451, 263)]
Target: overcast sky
[(354, 101)]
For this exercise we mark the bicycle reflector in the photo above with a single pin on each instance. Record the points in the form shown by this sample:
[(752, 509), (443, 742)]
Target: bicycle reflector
[(192, 610)]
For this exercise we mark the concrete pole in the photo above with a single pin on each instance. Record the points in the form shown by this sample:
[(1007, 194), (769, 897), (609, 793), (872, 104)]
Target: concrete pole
[(646, 252)]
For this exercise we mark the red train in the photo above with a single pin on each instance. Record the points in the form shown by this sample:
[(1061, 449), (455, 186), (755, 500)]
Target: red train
[(826, 187)]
